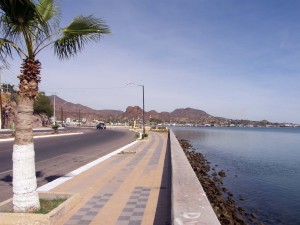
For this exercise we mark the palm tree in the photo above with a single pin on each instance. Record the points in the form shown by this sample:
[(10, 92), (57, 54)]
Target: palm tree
[(28, 27)]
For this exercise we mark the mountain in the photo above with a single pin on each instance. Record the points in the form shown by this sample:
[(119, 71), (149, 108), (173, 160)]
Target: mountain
[(64, 109), (132, 112), (189, 114)]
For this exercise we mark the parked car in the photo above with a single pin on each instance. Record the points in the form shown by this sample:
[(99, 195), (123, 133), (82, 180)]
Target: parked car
[(101, 125)]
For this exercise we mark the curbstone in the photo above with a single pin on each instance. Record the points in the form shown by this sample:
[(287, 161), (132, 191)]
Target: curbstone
[(190, 204)]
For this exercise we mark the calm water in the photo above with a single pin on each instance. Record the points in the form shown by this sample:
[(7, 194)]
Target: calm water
[(262, 166)]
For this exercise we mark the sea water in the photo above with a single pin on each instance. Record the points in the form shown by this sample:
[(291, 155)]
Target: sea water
[(262, 167)]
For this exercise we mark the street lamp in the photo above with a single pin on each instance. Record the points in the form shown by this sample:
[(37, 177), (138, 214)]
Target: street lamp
[(143, 104)]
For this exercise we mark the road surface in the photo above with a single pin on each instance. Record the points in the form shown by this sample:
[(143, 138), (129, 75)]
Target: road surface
[(57, 156)]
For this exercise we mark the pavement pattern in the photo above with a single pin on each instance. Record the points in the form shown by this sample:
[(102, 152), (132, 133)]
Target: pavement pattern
[(130, 188)]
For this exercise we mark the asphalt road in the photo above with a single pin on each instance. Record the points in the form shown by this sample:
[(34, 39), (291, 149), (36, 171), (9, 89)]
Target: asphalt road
[(56, 156)]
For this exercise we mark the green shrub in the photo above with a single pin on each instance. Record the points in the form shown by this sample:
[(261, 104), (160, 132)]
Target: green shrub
[(137, 136), (55, 127)]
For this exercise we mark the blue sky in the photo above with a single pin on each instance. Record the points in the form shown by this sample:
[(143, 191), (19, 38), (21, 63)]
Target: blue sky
[(235, 59)]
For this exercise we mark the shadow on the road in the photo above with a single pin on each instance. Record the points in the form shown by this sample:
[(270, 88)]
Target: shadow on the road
[(54, 177), (39, 174), (7, 179)]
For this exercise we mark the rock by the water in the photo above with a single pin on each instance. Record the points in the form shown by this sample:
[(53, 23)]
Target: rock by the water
[(224, 207)]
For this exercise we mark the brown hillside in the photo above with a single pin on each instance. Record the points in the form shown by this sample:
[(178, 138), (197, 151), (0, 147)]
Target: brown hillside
[(77, 111), (189, 114)]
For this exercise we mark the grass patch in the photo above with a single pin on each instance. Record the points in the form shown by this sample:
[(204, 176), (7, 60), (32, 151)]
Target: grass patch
[(48, 205)]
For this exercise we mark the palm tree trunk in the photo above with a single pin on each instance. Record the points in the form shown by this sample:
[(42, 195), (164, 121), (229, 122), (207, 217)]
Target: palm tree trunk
[(25, 198)]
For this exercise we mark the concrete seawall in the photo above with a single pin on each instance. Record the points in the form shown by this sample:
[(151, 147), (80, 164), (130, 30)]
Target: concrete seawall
[(190, 204)]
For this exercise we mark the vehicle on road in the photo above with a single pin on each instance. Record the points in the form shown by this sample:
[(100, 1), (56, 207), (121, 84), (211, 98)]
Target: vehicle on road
[(101, 125)]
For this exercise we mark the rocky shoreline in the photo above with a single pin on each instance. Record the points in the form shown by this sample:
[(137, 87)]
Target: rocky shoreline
[(220, 198)]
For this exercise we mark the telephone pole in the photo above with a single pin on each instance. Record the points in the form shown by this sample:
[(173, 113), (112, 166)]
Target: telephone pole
[(54, 119), (79, 116), (62, 111)]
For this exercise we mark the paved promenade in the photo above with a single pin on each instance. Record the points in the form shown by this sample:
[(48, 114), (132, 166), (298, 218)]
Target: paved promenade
[(129, 188)]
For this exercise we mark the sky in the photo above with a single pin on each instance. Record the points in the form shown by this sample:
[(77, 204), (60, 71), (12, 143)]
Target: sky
[(233, 59)]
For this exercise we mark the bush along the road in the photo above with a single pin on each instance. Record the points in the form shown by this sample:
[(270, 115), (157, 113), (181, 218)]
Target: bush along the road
[(55, 128), (141, 136)]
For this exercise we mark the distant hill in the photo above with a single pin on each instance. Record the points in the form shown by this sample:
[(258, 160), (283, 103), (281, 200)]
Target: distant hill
[(66, 109), (76, 111), (189, 114), (178, 115), (132, 112)]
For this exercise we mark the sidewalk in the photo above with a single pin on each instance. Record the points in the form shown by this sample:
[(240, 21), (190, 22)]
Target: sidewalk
[(130, 188)]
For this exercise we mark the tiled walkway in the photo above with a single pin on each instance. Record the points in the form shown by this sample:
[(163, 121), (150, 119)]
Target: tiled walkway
[(131, 188)]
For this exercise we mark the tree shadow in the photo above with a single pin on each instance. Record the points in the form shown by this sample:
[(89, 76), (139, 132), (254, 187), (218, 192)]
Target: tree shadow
[(7, 179), (53, 177), (39, 174)]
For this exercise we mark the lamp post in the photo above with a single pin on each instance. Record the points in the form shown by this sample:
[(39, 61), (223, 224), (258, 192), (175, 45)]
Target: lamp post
[(143, 104)]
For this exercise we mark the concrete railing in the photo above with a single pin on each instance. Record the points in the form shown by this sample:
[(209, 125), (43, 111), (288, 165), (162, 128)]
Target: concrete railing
[(189, 201)]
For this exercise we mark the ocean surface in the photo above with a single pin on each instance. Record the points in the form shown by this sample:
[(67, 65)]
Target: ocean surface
[(262, 167)]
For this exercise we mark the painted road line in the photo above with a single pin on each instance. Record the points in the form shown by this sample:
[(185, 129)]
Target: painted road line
[(7, 171), (42, 136), (56, 135)]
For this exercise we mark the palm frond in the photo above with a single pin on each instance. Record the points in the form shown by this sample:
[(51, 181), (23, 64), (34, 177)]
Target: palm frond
[(6, 48), (47, 9), (15, 14), (8, 30), (20, 19), (19, 11), (80, 31), (50, 15)]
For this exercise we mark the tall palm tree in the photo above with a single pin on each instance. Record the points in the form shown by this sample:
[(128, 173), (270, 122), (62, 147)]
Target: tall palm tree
[(28, 27)]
